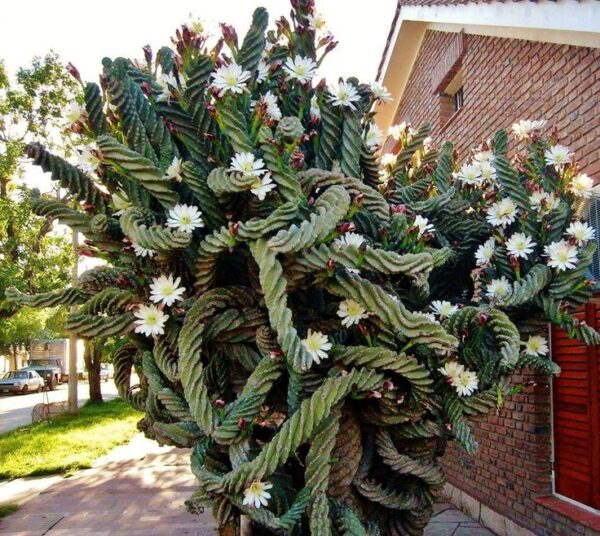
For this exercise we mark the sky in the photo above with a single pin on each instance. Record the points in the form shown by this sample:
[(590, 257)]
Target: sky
[(112, 28)]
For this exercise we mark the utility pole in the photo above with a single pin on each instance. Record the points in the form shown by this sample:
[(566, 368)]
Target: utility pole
[(73, 401)]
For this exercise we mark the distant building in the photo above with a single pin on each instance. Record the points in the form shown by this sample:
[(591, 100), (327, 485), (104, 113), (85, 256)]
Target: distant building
[(470, 68), (56, 352)]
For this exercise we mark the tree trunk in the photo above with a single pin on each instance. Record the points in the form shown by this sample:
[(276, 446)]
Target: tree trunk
[(11, 251), (92, 358)]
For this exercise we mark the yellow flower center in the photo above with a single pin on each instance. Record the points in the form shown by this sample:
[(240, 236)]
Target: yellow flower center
[(313, 344), (186, 220), (230, 79), (354, 309)]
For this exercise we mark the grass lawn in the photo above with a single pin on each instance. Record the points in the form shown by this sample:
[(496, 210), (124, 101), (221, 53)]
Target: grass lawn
[(7, 509), (67, 443)]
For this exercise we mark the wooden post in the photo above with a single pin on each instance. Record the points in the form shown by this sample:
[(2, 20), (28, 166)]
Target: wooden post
[(73, 400)]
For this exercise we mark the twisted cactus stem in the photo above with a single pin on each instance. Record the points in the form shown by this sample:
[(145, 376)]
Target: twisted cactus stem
[(373, 201), (280, 316), (330, 209), (407, 325), (301, 426), (132, 164)]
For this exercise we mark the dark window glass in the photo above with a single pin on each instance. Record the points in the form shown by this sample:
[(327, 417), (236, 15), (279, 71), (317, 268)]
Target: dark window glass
[(458, 100)]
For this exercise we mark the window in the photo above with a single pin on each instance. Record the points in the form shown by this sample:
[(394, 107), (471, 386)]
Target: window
[(452, 98), (458, 100), (592, 216)]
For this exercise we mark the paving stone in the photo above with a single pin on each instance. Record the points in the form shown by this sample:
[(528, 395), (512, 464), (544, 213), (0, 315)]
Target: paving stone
[(451, 516), (440, 507), (472, 531), (440, 529)]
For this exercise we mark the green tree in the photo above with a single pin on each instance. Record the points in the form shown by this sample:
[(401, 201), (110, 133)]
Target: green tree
[(35, 255)]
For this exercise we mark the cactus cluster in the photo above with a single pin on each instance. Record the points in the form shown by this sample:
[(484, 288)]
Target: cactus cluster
[(314, 319)]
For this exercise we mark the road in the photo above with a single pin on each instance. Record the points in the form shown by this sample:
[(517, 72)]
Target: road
[(15, 410)]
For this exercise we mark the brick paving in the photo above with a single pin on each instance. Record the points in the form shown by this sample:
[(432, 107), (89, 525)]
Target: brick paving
[(139, 490)]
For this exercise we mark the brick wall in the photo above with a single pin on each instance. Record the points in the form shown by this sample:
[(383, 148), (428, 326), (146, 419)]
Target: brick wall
[(506, 80)]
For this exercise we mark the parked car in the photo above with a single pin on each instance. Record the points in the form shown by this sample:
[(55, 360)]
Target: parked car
[(106, 372), (50, 373), (21, 381)]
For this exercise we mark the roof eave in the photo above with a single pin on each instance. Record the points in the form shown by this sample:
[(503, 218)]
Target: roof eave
[(563, 22)]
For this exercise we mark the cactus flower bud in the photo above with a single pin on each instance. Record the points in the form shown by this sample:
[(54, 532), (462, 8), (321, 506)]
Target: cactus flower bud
[(146, 88), (397, 209), (482, 318), (346, 227), (211, 109), (147, 54), (331, 46), (74, 72), (362, 329), (297, 160), (229, 35)]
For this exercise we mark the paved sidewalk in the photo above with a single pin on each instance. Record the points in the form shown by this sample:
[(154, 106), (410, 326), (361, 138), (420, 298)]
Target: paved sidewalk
[(139, 489), (448, 521)]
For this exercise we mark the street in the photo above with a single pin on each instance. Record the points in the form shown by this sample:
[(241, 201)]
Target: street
[(15, 410)]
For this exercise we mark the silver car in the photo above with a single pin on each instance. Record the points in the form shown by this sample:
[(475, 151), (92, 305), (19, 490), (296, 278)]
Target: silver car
[(21, 381)]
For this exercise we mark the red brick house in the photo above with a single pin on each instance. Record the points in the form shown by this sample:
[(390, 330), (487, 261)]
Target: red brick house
[(469, 68)]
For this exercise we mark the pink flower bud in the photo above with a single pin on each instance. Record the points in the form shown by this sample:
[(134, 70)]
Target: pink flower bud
[(147, 53), (73, 71)]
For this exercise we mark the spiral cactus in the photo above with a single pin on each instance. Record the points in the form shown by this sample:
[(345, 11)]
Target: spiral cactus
[(313, 319)]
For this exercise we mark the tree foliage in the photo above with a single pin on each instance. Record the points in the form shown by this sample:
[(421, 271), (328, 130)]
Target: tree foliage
[(34, 257)]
